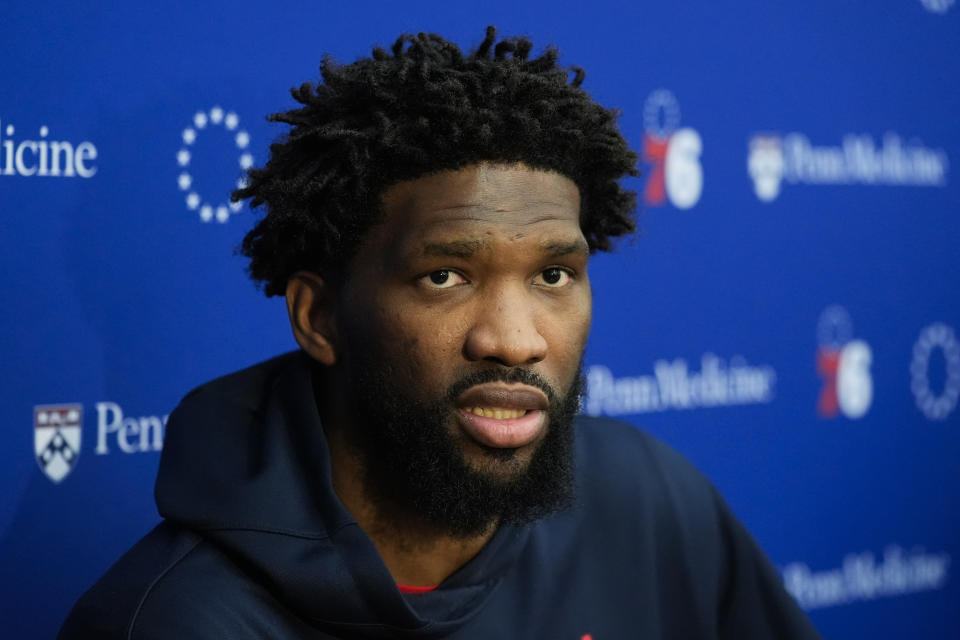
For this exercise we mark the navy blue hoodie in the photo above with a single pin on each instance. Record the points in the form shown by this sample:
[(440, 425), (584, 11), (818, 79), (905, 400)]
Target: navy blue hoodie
[(255, 544)]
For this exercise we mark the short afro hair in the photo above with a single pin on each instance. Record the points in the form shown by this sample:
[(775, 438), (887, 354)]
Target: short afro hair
[(419, 109)]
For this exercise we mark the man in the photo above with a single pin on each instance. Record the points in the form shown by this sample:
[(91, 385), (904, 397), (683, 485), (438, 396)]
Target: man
[(416, 469)]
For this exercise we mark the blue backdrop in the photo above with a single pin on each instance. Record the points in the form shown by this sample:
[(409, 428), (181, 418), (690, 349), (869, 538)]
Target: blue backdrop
[(789, 316)]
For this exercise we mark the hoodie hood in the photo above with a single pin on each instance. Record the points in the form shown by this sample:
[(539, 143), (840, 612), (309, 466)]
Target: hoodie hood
[(245, 465)]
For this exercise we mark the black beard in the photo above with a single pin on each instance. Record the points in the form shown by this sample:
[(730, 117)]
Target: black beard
[(416, 475)]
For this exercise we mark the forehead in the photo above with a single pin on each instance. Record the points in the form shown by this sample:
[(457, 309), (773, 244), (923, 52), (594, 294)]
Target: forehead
[(509, 197)]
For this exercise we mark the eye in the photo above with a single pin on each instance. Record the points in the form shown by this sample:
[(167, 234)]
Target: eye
[(555, 277), (442, 279)]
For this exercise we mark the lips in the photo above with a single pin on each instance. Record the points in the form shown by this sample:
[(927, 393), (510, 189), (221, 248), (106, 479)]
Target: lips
[(503, 416)]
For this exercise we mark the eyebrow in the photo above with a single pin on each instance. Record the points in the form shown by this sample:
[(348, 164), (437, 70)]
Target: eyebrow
[(557, 249), (453, 249), (467, 248)]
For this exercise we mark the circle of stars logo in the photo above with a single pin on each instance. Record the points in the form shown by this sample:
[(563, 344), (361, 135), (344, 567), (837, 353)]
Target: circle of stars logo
[(936, 406), (216, 117)]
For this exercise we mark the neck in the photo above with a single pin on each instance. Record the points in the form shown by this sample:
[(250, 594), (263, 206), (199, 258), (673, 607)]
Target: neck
[(414, 552)]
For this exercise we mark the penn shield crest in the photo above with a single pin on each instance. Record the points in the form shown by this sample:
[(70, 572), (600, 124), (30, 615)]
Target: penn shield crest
[(56, 438)]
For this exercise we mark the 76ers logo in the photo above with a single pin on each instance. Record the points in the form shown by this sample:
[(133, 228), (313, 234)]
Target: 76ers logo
[(673, 154), (844, 366), (56, 438)]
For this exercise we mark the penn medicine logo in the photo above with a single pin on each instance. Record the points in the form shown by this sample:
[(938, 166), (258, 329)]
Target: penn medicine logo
[(56, 438), (937, 6), (773, 159), (678, 385), (673, 153), (44, 155), (58, 429), (863, 576), (211, 205), (844, 366)]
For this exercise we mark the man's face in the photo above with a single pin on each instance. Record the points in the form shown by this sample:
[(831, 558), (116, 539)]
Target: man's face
[(461, 329)]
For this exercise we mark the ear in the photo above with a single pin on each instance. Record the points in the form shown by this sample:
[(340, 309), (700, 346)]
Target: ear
[(310, 305)]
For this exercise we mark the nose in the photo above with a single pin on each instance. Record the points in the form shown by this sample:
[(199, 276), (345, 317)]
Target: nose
[(505, 331)]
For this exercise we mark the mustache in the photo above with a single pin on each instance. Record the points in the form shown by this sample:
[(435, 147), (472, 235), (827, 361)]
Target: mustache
[(484, 376)]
